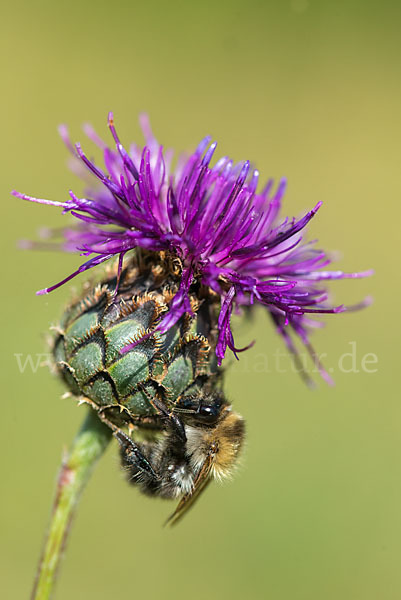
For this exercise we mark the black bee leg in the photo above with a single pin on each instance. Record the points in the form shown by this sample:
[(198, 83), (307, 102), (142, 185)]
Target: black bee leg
[(133, 458), (172, 420)]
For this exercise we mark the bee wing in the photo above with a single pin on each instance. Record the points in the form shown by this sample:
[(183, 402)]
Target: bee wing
[(201, 482)]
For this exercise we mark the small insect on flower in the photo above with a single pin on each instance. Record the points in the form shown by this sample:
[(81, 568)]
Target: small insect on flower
[(144, 346)]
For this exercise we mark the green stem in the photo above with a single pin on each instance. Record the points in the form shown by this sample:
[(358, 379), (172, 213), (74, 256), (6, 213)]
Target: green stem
[(86, 449)]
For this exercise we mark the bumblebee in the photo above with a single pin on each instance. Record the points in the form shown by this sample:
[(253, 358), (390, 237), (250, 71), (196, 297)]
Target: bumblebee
[(200, 441), (163, 387)]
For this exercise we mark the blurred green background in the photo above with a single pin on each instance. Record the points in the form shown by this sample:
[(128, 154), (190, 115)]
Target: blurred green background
[(306, 89)]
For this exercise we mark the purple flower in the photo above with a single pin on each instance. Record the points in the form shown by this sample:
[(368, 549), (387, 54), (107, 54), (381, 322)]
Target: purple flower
[(227, 234)]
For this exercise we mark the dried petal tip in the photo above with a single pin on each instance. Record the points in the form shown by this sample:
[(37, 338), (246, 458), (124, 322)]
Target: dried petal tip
[(227, 236)]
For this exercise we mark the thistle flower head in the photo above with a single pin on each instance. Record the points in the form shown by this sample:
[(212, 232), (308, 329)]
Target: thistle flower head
[(227, 234)]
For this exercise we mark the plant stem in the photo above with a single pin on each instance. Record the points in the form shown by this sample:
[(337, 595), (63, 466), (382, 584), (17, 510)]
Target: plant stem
[(86, 449)]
